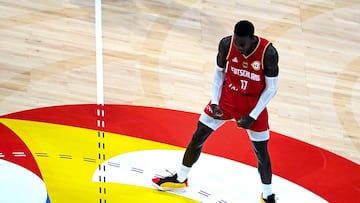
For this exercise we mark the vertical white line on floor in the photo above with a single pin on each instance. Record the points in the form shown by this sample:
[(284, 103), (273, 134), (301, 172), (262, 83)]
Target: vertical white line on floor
[(99, 54), (100, 101)]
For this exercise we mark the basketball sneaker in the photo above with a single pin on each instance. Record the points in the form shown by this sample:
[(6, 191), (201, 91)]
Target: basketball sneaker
[(270, 199), (169, 183)]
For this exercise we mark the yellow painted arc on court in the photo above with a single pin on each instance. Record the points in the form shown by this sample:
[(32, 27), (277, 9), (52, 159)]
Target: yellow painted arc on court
[(70, 179)]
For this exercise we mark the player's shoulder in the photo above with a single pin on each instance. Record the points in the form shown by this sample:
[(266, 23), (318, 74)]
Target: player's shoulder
[(271, 51), (224, 44), (271, 59), (225, 41)]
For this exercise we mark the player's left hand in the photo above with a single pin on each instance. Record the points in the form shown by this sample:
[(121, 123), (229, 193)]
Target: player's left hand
[(245, 122)]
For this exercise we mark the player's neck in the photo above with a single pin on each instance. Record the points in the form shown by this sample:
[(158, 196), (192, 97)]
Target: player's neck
[(254, 43)]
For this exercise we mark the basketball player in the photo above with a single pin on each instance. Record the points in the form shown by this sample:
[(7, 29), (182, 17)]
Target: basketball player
[(245, 80)]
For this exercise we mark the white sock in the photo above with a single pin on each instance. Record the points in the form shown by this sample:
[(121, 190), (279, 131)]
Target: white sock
[(182, 174), (267, 190)]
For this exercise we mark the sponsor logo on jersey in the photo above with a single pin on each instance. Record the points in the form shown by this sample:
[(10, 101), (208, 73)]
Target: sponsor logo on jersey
[(235, 60)]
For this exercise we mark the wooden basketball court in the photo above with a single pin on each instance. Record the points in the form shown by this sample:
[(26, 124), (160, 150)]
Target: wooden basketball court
[(162, 54)]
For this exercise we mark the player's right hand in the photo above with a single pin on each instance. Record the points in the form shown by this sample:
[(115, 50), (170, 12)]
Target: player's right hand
[(216, 111)]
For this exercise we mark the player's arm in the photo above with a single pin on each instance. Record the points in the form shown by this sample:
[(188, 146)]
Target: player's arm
[(223, 50), (219, 75), (271, 70)]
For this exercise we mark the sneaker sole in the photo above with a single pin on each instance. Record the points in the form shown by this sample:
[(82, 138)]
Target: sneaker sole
[(177, 190)]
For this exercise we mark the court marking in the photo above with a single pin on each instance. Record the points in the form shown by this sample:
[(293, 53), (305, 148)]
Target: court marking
[(131, 120)]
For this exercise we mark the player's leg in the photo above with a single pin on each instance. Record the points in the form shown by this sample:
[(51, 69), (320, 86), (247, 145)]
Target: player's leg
[(259, 142), (194, 148), (205, 127), (178, 181)]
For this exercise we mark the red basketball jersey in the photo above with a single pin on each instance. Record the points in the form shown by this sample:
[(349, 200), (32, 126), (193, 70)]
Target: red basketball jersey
[(245, 74)]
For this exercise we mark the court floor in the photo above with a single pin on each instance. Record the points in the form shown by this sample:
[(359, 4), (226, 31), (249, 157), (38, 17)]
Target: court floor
[(97, 97)]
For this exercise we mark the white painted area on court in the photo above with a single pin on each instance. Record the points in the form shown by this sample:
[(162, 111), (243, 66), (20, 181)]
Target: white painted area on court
[(212, 179), (20, 185)]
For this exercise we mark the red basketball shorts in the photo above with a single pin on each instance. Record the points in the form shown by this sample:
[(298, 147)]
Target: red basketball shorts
[(234, 105)]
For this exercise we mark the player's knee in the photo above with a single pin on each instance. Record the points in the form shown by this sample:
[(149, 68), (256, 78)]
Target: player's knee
[(261, 151), (201, 134)]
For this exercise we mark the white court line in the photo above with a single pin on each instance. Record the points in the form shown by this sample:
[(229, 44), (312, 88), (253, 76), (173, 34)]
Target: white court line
[(100, 89), (19, 154), (99, 54)]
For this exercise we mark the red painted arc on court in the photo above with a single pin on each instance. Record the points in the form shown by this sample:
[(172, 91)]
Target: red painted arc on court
[(330, 176)]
